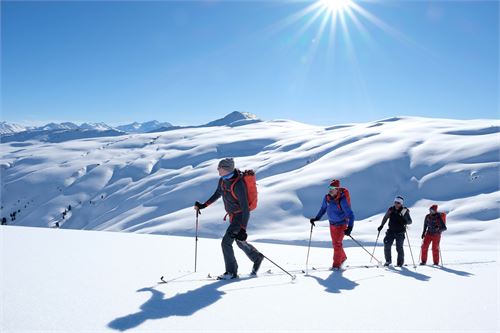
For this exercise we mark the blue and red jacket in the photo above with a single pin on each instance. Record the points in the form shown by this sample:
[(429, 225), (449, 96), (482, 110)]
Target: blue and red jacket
[(338, 210)]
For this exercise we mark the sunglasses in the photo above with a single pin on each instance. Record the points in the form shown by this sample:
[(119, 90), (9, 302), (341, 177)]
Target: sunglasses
[(331, 188), (397, 203)]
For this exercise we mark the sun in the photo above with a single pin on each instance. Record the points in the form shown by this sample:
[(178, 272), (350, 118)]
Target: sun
[(335, 6)]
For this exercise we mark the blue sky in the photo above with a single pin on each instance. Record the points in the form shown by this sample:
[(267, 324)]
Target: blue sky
[(192, 62)]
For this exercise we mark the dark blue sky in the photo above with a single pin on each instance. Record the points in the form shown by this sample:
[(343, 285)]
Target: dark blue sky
[(192, 62)]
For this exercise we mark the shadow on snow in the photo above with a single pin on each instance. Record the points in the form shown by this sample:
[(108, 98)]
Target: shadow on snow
[(410, 273), (455, 271), (335, 282), (158, 307)]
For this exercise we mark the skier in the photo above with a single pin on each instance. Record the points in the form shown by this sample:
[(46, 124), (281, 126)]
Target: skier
[(232, 189), (338, 207), (399, 218), (434, 225), (4, 221)]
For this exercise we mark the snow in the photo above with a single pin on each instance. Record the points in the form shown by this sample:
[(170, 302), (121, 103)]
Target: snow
[(55, 126), (148, 183), (70, 280), (96, 126), (235, 118), (8, 128), (66, 131), (145, 185), (149, 126)]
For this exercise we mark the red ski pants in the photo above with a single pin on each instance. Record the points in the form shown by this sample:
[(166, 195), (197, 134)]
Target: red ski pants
[(337, 233), (435, 238)]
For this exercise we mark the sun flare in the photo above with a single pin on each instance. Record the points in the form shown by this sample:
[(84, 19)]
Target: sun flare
[(335, 6)]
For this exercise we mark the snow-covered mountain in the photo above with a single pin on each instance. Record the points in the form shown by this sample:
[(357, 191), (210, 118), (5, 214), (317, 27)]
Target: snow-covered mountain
[(59, 135), (10, 128), (235, 118), (56, 126), (145, 127), (96, 127), (59, 132), (148, 182)]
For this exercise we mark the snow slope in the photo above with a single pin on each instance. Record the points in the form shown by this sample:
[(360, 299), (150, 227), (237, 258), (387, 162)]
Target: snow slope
[(85, 281), (148, 182)]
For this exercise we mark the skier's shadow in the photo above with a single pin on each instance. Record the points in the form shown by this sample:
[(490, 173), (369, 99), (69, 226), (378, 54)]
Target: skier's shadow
[(158, 307), (336, 282), (455, 271), (414, 274)]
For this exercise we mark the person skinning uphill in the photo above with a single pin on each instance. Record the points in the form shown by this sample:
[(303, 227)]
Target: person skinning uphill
[(434, 225), (399, 218), (337, 205), (234, 192)]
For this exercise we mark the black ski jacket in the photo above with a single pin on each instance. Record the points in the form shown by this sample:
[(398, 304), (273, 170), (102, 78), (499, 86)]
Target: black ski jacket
[(397, 219), (235, 202)]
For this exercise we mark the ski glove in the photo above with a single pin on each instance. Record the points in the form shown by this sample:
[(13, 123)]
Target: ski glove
[(312, 220), (380, 228), (242, 235), (200, 205), (347, 231)]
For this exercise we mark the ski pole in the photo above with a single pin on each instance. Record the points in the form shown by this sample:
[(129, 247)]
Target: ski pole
[(308, 248), (275, 264), (409, 245), (379, 262), (420, 253), (196, 241), (440, 255), (376, 241)]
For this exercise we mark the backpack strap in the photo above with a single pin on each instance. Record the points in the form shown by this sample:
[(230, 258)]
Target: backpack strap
[(231, 190), (340, 195), (232, 187), (336, 199)]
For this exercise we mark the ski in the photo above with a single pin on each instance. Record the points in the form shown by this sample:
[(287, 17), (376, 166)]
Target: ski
[(163, 281), (210, 277), (269, 272)]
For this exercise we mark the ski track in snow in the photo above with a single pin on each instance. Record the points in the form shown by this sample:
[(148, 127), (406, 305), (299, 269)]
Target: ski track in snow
[(75, 281)]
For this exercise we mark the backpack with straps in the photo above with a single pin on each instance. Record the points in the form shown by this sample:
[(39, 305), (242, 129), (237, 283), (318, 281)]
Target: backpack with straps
[(341, 191), (250, 180)]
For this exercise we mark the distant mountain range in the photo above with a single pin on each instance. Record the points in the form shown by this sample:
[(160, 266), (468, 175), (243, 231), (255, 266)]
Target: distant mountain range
[(233, 119), (149, 126), (59, 132)]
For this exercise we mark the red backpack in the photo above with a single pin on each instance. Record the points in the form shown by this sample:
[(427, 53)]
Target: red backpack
[(443, 217), (250, 181)]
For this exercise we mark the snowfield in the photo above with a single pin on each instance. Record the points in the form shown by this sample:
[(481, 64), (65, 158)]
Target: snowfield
[(75, 279), (148, 183), (87, 281)]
